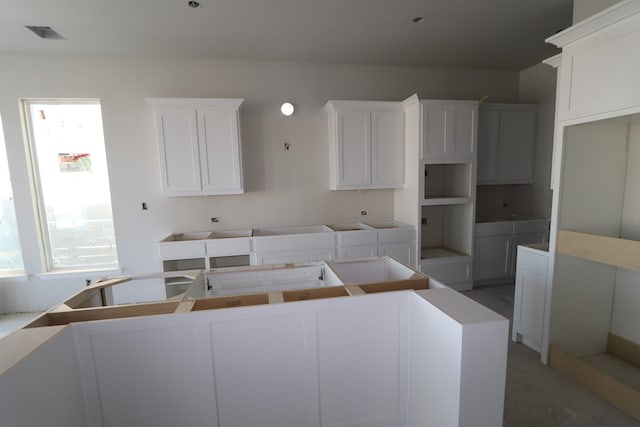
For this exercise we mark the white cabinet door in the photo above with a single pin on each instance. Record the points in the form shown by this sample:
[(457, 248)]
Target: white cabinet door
[(534, 287), (199, 145), (403, 252), (506, 143), (492, 257), (366, 144), (220, 153), (516, 146), (387, 148), (177, 134), (488, 134), (449, 130), (354, 148), (530, 296)]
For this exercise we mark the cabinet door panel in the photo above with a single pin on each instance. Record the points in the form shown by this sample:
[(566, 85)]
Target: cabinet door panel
[(488, 134), (402, 252), (463, 131), (387, 148), (516, 150), (354, 148), (434, 132), (532, 306), (492, 257), (220, 147), (179, 151)]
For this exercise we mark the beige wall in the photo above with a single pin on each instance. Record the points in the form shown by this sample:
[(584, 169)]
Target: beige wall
[(283, 187)]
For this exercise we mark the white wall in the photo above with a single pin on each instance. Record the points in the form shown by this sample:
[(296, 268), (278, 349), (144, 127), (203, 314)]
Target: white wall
[(583, 9), (282, 187)]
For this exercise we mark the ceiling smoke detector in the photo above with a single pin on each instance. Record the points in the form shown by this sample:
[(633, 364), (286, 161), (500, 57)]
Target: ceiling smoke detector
[(44, 32), (193, 4)]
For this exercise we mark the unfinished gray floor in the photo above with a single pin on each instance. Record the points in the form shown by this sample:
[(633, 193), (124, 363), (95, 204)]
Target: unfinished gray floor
[(537, 395)]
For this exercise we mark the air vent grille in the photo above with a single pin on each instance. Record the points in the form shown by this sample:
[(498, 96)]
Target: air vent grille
[(45, 32)]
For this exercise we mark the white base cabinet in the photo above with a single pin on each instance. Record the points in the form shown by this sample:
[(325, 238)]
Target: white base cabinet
[(530, 295), (391, 359), (496, 246)]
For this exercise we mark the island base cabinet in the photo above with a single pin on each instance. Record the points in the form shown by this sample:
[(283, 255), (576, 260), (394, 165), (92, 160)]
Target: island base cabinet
[(324, 362)]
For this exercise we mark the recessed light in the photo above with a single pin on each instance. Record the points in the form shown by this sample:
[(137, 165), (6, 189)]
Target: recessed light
[(417, 19), (193, 4)]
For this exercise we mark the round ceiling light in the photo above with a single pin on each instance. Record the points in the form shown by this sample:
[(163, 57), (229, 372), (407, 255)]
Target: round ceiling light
[(287, 108)]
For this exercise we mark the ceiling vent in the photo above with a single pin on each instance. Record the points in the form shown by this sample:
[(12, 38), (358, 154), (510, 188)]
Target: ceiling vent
[(44, 32)]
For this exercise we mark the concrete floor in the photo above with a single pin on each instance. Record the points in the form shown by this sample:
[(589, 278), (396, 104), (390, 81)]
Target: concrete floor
[(537, 395)]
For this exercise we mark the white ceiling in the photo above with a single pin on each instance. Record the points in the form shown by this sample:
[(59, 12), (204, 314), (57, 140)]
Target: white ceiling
[(505, 34)]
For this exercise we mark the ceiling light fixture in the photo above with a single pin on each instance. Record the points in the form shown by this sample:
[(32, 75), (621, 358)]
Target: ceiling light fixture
[(193, 4), (287, 108), (417, 19)]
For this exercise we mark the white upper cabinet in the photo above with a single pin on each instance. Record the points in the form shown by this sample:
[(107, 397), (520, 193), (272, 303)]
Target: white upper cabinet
[(600, 65), (366, 144), (506, 143), (449, 129), (199, 145)]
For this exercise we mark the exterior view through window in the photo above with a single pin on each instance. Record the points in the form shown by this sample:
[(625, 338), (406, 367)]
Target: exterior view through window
[(10, 254), (72, 183)]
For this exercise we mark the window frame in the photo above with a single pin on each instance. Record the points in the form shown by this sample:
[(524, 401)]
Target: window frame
[(42, 228)]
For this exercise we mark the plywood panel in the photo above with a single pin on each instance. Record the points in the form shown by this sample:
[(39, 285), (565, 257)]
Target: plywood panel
[(361, 360), (260, 379), (602, 249)]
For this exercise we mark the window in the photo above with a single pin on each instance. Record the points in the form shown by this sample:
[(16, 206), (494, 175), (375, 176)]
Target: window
[(72, 183), (10, 253)]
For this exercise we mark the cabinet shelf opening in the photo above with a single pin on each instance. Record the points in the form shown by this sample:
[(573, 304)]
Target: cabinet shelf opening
[(446, 231), (443, 181)]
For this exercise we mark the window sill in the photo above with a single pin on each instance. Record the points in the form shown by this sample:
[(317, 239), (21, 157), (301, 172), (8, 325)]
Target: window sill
[(91, 274)]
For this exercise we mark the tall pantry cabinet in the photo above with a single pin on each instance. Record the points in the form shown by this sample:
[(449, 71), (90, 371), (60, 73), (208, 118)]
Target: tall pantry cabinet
[(440, 187), (594, 269)]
